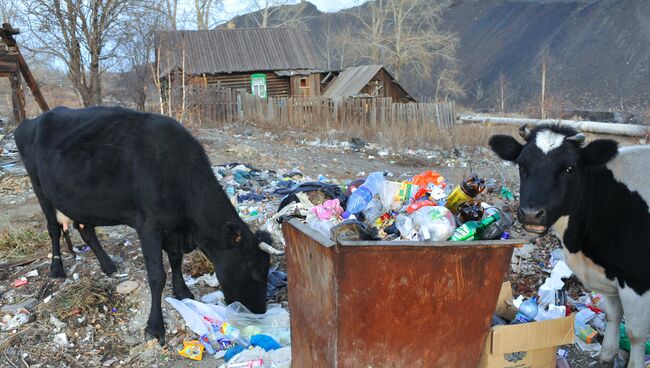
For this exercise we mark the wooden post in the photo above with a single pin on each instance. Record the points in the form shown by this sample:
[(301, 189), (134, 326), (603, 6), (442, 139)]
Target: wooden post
[(17, 98), (6, 34)]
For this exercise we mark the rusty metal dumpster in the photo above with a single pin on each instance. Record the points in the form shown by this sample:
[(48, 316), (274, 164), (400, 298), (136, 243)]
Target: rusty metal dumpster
[(390, 304)]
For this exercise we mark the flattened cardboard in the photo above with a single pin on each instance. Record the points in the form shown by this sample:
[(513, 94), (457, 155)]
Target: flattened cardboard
[(527, 345)]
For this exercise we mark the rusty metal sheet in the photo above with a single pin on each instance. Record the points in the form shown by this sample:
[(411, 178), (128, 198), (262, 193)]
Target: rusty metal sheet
[(390, 304)]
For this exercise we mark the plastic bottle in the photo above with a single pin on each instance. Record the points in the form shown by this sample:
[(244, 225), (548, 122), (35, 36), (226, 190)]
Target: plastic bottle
[(527, 311), (467, 190), (472, 229), (435, 223), (360, 198), (470, 211), (404, 225), (373, 211), (561, 361)]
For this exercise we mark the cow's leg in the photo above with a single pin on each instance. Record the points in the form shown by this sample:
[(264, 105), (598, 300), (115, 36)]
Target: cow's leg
[(637, 323), (66, 236), (175, 255), (90, 237), (151, 243), (54, 230), (614, 313)]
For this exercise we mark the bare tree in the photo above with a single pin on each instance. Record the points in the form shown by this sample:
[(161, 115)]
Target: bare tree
[(502, 83), (202, 11), (136, 52), (169, 8), (404, 35), (82, 34), (8, 11), (276, 13)]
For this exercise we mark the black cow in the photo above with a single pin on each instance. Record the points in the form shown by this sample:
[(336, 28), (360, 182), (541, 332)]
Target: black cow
[(596, 198), (110, 166)]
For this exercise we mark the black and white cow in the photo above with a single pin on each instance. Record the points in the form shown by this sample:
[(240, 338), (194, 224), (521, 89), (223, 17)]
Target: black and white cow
[(104, 166), (596, 198)]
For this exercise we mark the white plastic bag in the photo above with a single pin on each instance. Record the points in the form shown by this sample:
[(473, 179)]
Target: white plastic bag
[(275, 322)]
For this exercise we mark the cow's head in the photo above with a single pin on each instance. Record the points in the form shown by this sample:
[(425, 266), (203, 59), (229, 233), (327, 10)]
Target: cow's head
[(551, 162), (241, 262)]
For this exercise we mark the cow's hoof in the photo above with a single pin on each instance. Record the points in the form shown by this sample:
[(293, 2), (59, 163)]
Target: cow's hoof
[(56, 271), (155, 333), (183, 294), (607, 355), (110, 269)]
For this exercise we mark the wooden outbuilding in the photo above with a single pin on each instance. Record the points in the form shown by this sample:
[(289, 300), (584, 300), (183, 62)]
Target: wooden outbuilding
[(366, 81)]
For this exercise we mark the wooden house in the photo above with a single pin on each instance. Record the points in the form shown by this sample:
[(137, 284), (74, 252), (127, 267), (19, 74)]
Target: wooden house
[(261, 61), (365, 81)]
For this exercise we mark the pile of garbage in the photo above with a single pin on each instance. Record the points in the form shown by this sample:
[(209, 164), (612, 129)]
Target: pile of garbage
[(232, 332), (423, 208)]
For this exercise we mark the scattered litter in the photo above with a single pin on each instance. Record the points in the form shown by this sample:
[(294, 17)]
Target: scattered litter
[(75, 276), (61, 339), (209, 280), (215, 297), (32, 273), (277, 281), (192, 350), (19, 282)]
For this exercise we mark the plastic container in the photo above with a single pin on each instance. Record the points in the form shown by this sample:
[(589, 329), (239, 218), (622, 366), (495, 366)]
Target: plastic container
[(467, 190), (360, 198), (527, 311), (435, 223)]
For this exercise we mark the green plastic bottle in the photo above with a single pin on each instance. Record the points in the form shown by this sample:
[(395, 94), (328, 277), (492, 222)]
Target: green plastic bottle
[(624, 341), (472, 229)]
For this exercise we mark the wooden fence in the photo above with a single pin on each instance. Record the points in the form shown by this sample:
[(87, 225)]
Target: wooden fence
[(213, 106)]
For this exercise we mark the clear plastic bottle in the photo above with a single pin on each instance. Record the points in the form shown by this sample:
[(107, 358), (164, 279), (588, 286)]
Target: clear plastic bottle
[(373, 211), (527, 311), (404, 225), (360, 198)]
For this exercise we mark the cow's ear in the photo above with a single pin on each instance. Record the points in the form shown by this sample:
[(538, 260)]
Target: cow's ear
[(233, 234), (599, 152), (505, 146)]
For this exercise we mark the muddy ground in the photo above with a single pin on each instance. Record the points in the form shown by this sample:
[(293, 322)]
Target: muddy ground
[(105, 328)]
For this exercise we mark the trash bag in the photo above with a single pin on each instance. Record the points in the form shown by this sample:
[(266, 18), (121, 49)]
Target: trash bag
[(331, 191), (354, 230), (275, 322)]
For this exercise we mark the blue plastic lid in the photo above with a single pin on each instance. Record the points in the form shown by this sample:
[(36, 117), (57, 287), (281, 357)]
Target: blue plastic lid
[(345, 215), (505, 235)]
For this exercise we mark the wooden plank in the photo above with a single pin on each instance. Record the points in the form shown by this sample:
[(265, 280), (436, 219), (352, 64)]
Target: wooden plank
[(17, 97)]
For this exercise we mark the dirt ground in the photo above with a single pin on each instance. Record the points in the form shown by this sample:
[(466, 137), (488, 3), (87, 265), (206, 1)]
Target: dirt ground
[(105, 328)]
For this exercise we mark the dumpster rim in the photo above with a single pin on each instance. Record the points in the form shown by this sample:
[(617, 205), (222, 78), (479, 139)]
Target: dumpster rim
[(394, 243)]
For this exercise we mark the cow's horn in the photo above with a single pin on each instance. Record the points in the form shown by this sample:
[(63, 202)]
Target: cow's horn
[(524, 132), (580, 138), (269, 249)]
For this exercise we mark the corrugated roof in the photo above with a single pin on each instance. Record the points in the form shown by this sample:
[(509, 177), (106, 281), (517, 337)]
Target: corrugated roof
[(237, 50), (351, 81)]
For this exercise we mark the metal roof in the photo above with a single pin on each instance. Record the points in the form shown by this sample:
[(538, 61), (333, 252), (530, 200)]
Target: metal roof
[(237, 50), (351, 81)]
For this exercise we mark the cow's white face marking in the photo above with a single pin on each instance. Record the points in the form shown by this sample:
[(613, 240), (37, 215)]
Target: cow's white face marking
[(547, 140)]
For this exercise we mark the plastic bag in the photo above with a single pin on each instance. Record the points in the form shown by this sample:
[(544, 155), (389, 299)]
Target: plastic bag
[(327, 210), (435, 223), (275, 322), (192, 350)]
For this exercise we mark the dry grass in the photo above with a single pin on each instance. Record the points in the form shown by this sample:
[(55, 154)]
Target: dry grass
[(15, 245), (85, 297), (198, 264)]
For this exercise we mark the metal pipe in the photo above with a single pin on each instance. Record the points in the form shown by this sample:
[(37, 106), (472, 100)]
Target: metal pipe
[(629, 130)]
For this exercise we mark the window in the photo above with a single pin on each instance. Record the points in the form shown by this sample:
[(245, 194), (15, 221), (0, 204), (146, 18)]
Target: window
[(258, 85), (303, 83)]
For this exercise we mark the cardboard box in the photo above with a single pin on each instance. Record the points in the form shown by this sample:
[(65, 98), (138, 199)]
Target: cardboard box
[(528, 345)]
